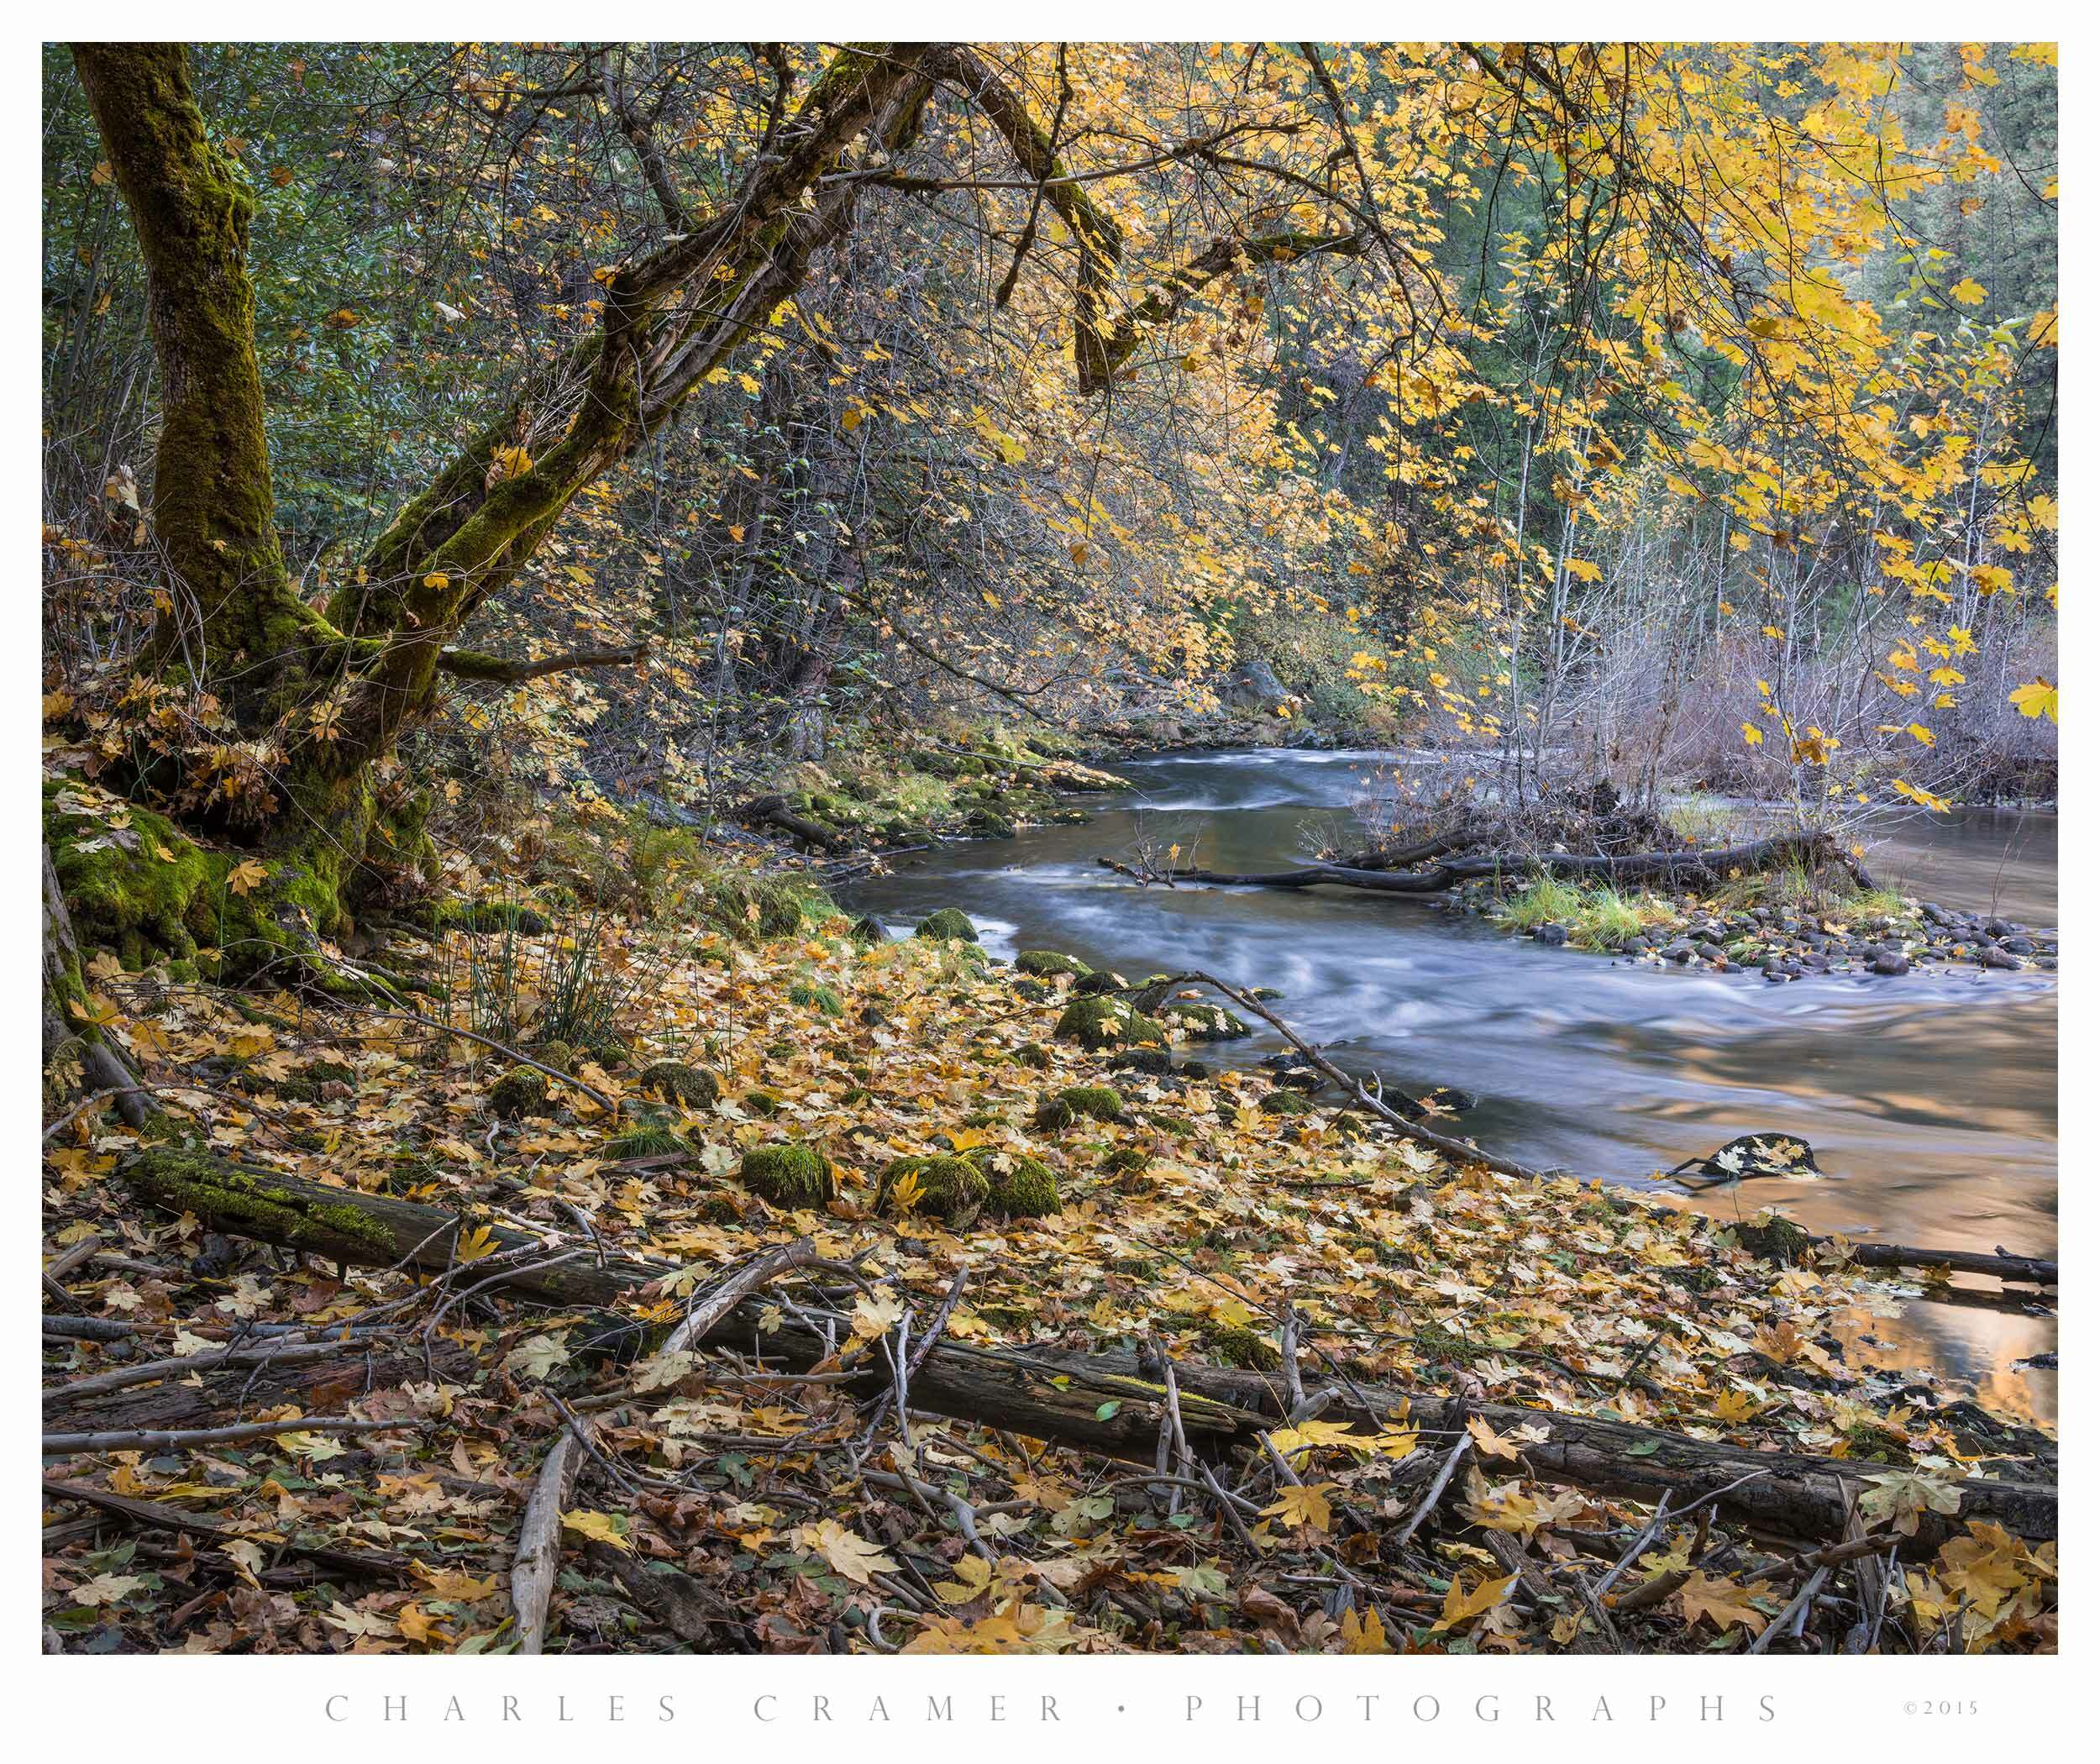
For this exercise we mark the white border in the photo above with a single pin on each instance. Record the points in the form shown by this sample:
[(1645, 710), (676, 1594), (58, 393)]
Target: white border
[(176, 1709)]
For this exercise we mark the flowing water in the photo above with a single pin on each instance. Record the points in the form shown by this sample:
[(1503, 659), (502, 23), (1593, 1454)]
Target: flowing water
[(1930, 1101)]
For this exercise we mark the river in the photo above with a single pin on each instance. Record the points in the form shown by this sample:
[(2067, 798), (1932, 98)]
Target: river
[(1930, 1101)]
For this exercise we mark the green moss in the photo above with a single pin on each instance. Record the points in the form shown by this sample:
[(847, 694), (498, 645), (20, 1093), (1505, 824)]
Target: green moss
[(1152, 1061), (750, 907), (675, 1082), (1078, 1102), (1046, 963), (762, 1103), (787, 1175), (1025, 1189), (1286, 1102), (951, 1189), (481, 917), (950, 925), (1206, 1022), (1098, 1024), (1035, 1054), (652, 1139), (519, 1091), (1233, 1344), (186, 1181), (1127, 1161)]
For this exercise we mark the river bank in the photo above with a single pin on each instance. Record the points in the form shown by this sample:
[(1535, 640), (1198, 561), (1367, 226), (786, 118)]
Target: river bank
[(1931, 1102)]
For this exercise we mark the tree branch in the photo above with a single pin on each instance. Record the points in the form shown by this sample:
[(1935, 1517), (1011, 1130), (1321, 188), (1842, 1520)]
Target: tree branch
[(502, 670)]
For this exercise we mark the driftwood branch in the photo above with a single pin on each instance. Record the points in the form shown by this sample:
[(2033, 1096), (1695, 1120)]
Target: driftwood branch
[(1459, 1150), (539, 1543)]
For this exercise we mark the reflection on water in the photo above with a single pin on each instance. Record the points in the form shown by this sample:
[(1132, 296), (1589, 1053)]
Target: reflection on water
[(1931, 1101)]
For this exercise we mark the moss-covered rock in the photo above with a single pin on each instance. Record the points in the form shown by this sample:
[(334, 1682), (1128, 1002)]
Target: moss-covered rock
[(1206, 1022), (762, 1103), (1288, 1102), (1036, 1055), (787, 1175), (1046, 963), (1127, 1161), (673, 1080), (559, 1054), (869, 929), (951, 1189), (1097, 982), (1021, 1187), (1152, 1061), (1098, 1024), (1078, 1102), (519, 1091), (950, 925), (1770, 1238)]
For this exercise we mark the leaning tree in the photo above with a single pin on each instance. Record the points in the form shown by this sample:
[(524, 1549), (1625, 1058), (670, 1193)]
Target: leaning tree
[(276, 722)]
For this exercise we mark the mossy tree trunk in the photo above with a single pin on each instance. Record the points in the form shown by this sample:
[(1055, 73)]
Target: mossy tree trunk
[(315, 702)]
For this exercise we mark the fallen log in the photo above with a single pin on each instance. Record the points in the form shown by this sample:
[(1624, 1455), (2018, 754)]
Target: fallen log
[(1109, 1402), (774, 811), (1715, 865), (370, 1231), (2020, 1270), (161, 1515)]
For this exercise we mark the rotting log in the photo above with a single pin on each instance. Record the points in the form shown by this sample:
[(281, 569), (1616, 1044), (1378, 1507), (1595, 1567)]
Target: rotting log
[(370, 1231), (1109, 1402)]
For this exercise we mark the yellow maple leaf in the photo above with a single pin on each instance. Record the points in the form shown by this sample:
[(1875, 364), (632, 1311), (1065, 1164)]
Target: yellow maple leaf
[(1461, 1606), (1722, 1602), (1364, 1635), (1301, 1505), (849, 1554), (477, 1243), (245, 877), (607, 1528), (2038, 698)]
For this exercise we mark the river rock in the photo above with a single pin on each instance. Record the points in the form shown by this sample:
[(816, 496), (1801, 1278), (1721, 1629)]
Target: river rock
[(2018, 946), (1552, 935), (1999, 928), (1892, 962), (1680, 950), (1991, 956)]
